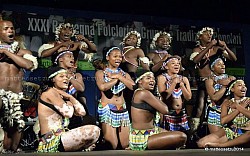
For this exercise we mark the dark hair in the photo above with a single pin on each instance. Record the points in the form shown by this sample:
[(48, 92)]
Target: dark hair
[(171, 57), (100, 64), (56, 54), (108, 49), (47, 83), (213, 58)]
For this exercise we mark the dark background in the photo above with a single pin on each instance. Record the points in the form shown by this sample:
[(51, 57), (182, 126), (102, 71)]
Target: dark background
[(233, 11), (190, 12)]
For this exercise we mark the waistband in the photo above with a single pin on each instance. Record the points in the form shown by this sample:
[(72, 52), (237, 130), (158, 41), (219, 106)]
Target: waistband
[(50, 134)]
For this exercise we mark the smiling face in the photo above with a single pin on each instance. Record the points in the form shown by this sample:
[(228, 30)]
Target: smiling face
[(147, 82), (219, 67), (239, 89), (114, 58), (173, 66), (163, 42), (61, 81), (7, 32)]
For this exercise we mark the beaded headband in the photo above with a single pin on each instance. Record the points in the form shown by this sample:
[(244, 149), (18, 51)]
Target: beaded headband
[(145, 74), (58, 72), (111, 49)]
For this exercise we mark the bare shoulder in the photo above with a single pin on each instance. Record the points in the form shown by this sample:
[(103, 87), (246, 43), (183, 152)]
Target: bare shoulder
[(196, 49), (210, 81), (184, 78), (52, 42), (143, 94), (151, 55), (48, 92), (22, 52), (138, 50), (160, 78), (99, 74), (78, 74)]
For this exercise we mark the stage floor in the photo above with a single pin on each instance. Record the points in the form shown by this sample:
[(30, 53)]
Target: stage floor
[(182, 152)]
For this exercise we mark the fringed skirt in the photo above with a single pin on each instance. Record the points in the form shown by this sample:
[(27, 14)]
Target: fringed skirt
[(214, 113), (176, 121), (138, 139), (113, 115)]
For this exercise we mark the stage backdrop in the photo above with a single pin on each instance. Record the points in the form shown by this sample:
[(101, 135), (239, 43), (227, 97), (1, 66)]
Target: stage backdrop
[(38, 28)]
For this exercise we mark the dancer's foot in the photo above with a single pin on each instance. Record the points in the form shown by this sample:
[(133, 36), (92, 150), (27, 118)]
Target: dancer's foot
[(90, 148), (128, 148), (211, 144)]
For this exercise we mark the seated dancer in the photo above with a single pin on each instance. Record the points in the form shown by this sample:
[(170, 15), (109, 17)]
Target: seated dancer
[(172, 87), (65, 59), (133, 57), (144, 134), (55, 107), (235, 113), (14, 58), (113, 115), (216, 86), (66, 39)]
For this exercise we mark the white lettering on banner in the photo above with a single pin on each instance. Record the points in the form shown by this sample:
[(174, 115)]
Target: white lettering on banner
[(148, 33), (99, 29), (190, 36), (114, 31), (231, 39), (40, 25), (186, 35), (43, 25), (84, 29), (54, 25)]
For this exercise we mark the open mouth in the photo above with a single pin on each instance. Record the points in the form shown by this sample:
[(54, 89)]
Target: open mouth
[(72, 63), (165, 45), (118, 62), (243, 91), (66, 36), (11, 36), (66, 83), (151, 84)]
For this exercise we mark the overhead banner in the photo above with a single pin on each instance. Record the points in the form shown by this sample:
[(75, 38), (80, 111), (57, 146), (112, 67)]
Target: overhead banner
[(39, 29)]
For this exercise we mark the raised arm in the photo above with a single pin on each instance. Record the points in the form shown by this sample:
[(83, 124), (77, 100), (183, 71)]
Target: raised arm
[(47, 50), (161, 82), (186, 90), (147, 97), (225, 116), (198, 54), (157, 65), (21, 58), (229, 53), (103, 86), (78, 108), (77, 82), (242, 107), (143, 60), (214, 95)]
